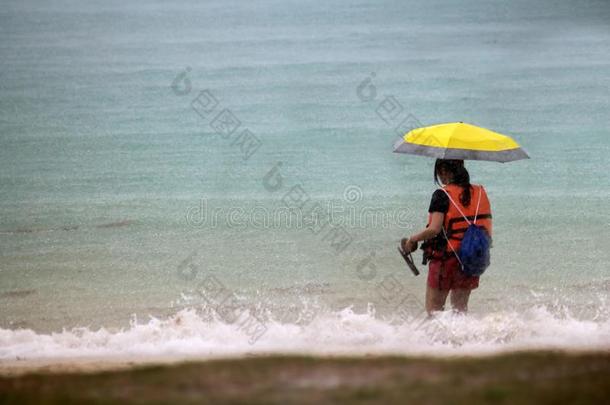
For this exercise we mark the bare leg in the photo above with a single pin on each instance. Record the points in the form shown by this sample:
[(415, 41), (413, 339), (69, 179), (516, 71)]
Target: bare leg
[(435, 299), (459, 299)]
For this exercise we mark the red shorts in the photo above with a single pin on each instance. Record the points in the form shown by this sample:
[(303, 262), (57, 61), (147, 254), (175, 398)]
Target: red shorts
[(446, 275)]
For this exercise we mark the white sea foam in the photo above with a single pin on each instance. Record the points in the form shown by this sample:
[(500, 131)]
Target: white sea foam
[(187, 333)]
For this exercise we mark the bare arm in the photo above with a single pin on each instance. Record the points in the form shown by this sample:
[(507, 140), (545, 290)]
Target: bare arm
[(436, 224)]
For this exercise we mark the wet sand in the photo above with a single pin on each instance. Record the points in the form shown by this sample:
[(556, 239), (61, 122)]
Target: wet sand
[(526, 377)]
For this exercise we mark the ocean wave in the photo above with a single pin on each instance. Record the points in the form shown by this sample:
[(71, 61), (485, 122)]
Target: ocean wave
[(345, 332)]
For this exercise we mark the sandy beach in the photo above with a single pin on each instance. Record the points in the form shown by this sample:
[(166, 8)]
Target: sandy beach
[(525, 377)]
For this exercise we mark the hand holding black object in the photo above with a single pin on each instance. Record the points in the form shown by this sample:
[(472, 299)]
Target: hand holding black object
[(408, 245)]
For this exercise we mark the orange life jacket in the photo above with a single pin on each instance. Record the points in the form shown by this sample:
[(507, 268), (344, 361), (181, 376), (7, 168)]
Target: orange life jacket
[(454, 224)]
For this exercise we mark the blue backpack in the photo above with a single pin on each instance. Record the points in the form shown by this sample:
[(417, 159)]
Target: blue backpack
[(474, 251), (473, 255)]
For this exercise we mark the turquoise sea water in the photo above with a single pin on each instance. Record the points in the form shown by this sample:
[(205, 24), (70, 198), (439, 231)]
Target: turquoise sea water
[(105, 168)]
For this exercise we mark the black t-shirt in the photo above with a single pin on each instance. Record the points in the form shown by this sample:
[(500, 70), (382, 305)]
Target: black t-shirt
[(439, 202)]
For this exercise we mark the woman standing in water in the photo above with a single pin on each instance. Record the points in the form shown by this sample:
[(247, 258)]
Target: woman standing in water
[(453, 207)]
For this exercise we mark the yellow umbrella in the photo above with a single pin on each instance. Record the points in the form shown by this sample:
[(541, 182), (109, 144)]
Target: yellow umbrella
[(458, 140)]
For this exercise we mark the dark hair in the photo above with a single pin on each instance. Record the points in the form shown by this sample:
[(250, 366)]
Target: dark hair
[(460, 176)]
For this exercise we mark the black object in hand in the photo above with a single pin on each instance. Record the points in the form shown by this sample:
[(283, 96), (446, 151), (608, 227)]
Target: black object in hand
[(403, 241), (409, 259)]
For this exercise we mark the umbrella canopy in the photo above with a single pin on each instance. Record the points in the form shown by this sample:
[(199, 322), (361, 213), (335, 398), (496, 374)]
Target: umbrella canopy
[(458, 140)]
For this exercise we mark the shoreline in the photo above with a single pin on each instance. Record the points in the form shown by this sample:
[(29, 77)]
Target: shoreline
[(97, 364), (521, 377)]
